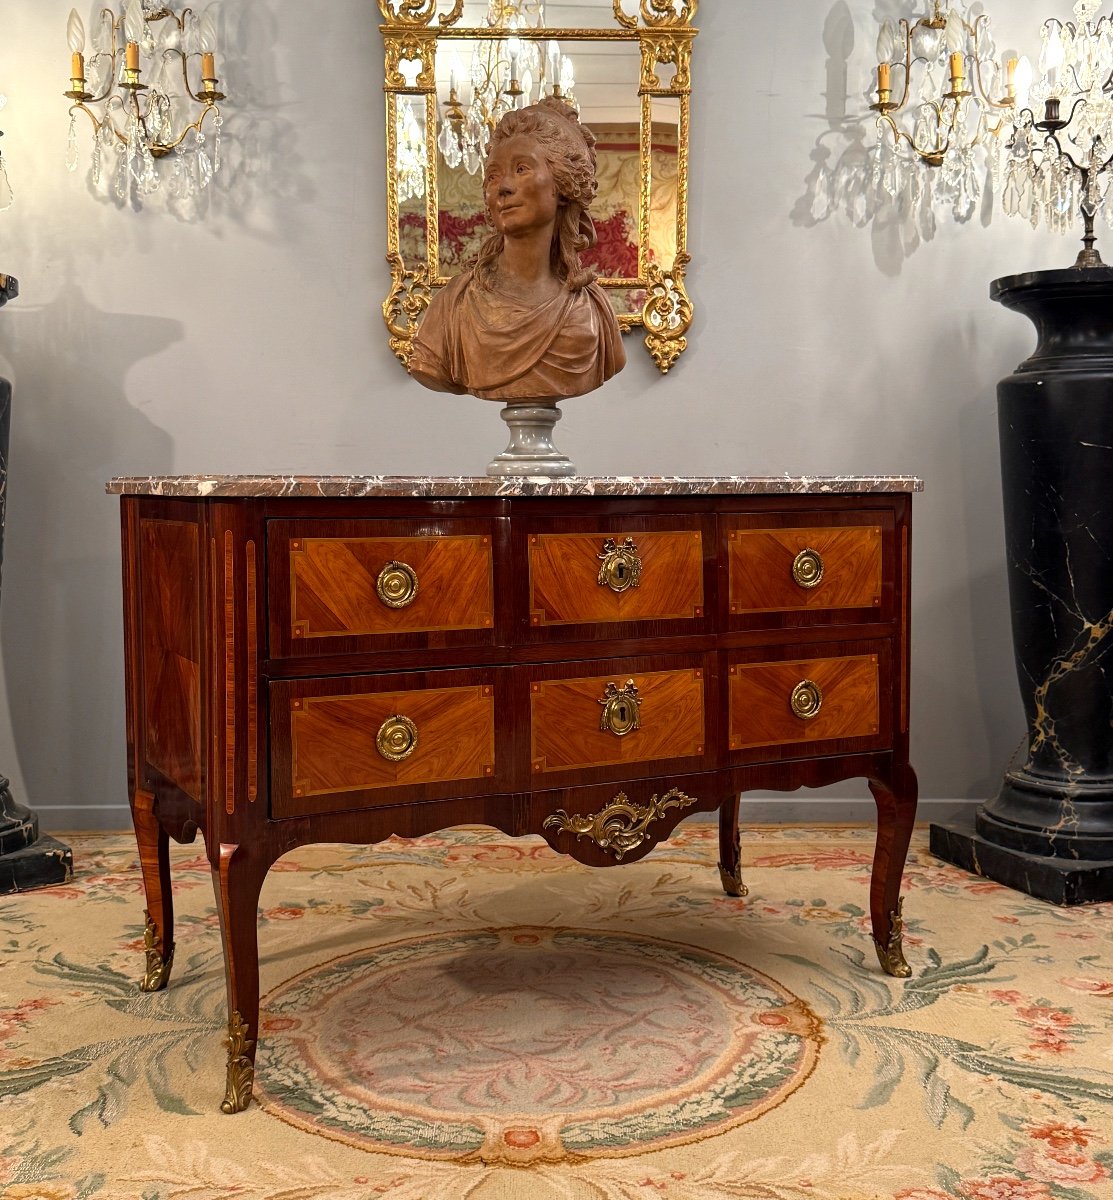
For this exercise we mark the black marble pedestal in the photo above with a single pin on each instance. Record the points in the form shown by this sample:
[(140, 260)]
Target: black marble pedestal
[(27, 860), (1049, 830)]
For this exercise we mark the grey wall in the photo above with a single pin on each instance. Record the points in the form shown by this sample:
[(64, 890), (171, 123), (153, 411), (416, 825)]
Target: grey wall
[(251, 341)]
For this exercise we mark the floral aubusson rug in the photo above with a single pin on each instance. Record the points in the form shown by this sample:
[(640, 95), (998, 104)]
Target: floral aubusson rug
[(469, 1016)]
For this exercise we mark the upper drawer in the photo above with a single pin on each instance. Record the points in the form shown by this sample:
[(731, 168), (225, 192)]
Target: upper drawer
[(822, 571), (347, 586), (615, 572)]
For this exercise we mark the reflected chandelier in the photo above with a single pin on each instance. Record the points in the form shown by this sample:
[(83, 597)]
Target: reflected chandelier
[(137, 123), (1062, 162), (942, 99), (504, 73), (5, 186)]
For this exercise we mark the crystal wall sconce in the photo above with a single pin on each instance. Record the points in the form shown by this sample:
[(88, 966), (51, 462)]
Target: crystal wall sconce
[(136, 124), (942, 99)]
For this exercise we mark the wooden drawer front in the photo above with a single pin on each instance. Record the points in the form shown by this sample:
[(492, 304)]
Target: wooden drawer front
[(565, 717), (333, 740), (761, 565), (761, 696), (564, 570), (334, 585)]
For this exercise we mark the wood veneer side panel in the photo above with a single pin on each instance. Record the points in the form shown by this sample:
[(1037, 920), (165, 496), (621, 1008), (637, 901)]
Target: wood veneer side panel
[(169, 637)]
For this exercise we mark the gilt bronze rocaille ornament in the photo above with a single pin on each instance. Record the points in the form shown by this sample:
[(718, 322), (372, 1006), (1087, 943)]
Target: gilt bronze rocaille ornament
[(620, 827)]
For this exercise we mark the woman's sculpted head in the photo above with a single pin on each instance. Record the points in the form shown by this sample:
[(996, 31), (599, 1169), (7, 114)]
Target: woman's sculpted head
[(569, 151)]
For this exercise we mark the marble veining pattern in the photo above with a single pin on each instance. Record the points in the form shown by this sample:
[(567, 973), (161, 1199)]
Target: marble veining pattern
[(355, 486)]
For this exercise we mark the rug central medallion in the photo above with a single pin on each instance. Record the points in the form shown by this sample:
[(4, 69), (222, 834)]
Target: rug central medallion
[(527, 1045)]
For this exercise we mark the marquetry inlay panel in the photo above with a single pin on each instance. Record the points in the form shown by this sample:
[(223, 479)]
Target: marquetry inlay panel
[(565, 716), (761, 710), (334, 747), (334, 585), (170, 650), (760, 565), (564, 578)]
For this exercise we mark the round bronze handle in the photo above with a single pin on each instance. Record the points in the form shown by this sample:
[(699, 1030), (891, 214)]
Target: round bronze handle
[(807, 568), (622, 565), (397, 585), (621, 709), (397, 738), (806, 700)]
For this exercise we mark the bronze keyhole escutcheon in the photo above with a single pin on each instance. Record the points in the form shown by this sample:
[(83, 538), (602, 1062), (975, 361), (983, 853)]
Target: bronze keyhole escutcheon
[(622, 565), (621, 709)]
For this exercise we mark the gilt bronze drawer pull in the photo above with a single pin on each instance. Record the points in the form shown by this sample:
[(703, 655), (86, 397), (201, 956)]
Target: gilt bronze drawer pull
[(397, 585), (622, 565), (807, 568), (397, 738), (621, 709), (806, 700)]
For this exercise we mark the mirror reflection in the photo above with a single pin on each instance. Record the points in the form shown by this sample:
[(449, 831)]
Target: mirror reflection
[(622, 64)]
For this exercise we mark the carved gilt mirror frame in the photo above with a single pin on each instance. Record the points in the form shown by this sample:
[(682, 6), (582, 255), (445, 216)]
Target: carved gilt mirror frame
[(434, 210)]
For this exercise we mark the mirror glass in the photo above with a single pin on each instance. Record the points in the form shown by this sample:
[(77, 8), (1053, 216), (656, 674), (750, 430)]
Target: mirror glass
[(455, 66)]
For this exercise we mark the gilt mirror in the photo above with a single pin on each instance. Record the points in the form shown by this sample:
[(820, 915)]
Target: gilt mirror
[(453, 67)]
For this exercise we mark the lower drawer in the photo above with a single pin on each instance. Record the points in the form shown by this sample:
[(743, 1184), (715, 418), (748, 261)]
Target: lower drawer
[(799, 706), (363, 742), (629, 720)]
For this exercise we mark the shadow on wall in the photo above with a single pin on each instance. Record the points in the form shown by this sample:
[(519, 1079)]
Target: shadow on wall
[(843, 180), (259, 185), (61, 631)]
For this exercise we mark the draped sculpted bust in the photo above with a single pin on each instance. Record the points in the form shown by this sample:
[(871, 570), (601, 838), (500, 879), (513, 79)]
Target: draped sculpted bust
[(527, 323)]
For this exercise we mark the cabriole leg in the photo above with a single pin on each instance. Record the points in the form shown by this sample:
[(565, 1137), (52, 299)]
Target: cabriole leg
[(730, 847), (154, 862), (896, 814), (238, 880)]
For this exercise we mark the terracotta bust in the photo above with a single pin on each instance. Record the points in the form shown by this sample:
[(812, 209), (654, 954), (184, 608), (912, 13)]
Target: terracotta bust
[(527, 324)]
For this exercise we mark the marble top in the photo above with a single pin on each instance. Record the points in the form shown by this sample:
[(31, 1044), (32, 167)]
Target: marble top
[(356, 486)]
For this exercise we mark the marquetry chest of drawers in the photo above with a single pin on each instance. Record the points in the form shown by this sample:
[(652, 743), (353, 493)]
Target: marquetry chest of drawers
[(591, 660)]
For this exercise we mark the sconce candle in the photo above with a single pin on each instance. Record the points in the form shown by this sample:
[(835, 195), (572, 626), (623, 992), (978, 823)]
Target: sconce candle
[(132, 59), (208, 67), (884, 74)]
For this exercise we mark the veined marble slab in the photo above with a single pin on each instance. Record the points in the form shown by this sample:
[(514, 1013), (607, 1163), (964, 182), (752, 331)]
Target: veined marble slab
[(193, 486)]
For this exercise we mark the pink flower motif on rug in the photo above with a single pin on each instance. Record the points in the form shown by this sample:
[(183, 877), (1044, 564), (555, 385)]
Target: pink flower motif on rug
[(1005, 1187)]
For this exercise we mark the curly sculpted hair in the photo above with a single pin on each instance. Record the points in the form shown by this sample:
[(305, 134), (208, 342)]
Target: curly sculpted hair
[(569, 149)]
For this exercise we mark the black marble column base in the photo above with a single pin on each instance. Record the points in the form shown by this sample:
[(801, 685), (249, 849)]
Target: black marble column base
[(1063, 881), (42, 864)]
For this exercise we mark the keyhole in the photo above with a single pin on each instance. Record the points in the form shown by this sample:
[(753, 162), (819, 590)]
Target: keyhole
[(622, 712), (621, 572)]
